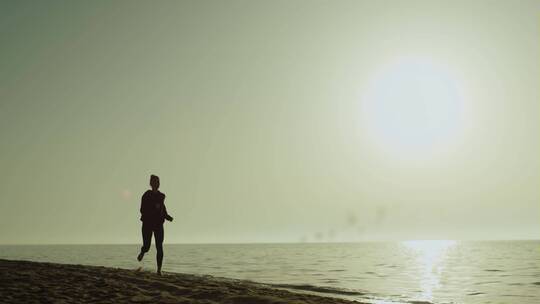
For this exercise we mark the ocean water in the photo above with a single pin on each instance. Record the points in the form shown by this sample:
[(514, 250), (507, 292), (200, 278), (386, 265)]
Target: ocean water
[(405, 272)]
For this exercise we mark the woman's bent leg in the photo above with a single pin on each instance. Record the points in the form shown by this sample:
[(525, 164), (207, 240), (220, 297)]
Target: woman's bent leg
[(147, 240)]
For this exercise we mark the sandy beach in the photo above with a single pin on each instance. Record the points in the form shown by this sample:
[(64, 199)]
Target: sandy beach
[(32, 282)]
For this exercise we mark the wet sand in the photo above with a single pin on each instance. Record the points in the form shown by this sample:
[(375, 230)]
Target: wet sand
[(32, 282)]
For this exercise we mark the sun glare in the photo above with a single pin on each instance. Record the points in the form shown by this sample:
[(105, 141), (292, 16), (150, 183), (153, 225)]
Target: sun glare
[(413, 104), (429, 258)]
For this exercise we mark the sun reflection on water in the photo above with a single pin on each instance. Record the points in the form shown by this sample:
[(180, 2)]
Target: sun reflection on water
[(430, 260)]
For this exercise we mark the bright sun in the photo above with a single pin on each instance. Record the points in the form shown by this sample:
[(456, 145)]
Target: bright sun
[(413, 104)]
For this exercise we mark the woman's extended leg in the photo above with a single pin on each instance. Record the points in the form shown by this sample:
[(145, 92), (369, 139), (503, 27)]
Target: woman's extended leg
[(159, 235)]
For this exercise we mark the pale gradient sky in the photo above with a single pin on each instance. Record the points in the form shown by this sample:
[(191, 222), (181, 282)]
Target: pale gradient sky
[(276, 121)]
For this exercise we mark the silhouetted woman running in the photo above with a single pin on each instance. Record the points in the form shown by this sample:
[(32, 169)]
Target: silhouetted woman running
[(153, 215)]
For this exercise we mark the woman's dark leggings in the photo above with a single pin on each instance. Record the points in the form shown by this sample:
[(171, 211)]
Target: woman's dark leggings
[(147, 231)]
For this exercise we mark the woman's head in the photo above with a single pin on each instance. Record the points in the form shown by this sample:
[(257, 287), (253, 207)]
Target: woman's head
[(154, 182)]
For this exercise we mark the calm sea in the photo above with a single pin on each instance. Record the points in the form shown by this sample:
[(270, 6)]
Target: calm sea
[(406, 272)]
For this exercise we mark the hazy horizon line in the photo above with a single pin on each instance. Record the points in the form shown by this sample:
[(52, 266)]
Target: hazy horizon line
[(271, 243)]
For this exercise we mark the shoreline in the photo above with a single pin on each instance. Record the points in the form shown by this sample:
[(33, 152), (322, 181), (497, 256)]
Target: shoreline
[(39, 282)]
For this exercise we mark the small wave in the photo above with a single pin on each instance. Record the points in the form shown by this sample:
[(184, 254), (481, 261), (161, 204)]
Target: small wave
[(420, 302), (493, 270), (487, 282), (517, 295), (321, 289), (536, 283), (476, 293)]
